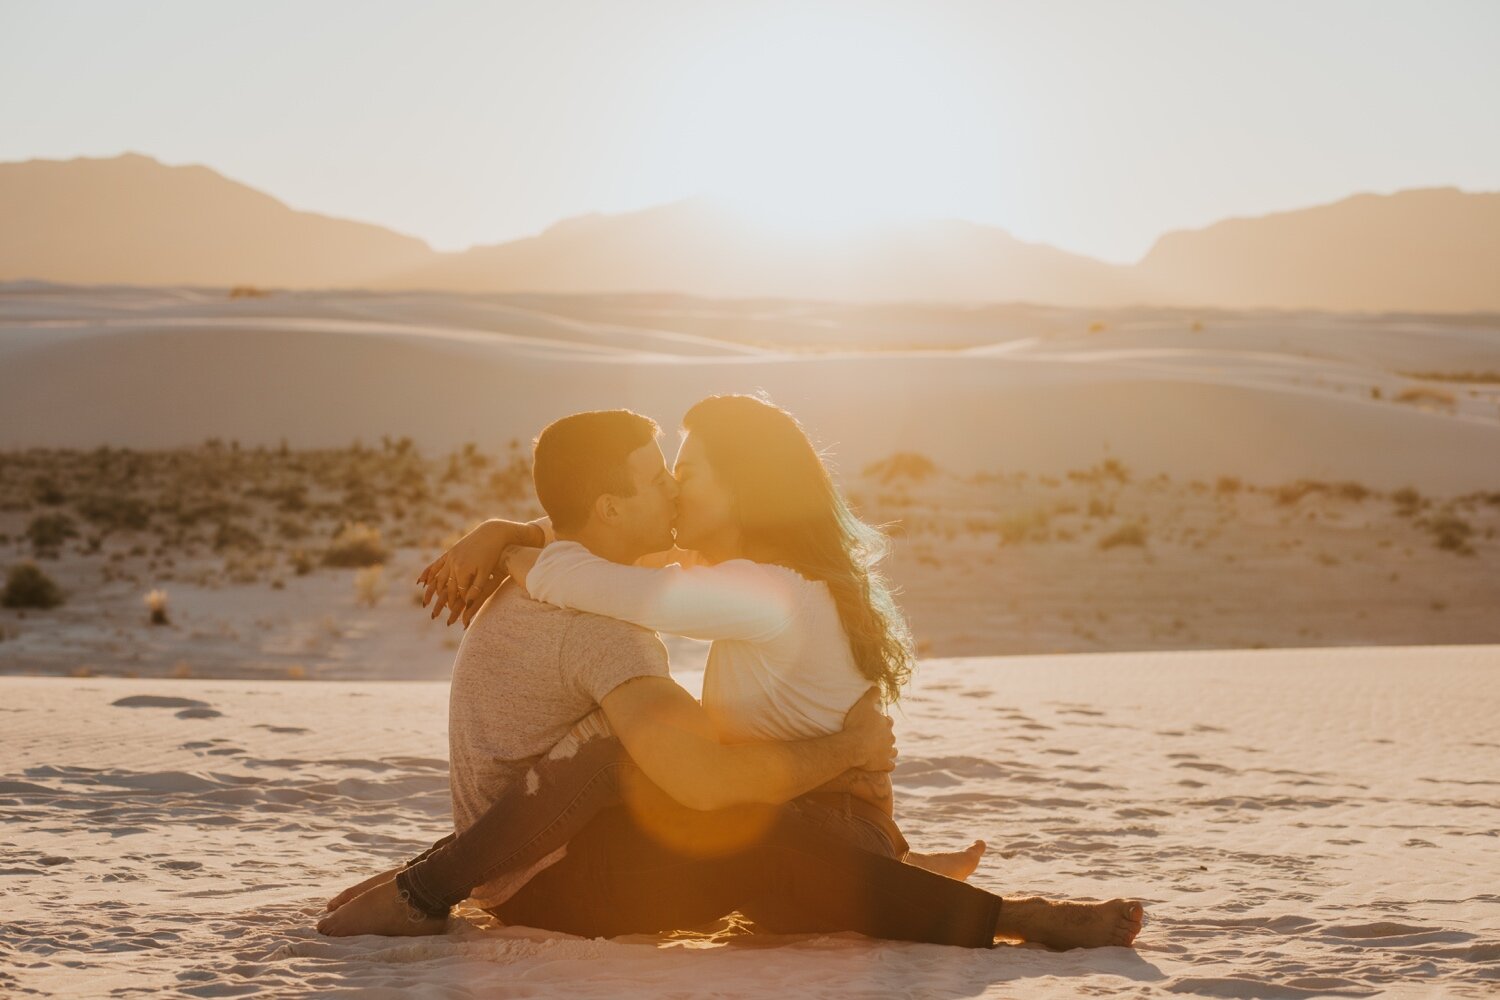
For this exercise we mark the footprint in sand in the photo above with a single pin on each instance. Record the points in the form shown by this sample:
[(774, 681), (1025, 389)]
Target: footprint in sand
[(190, 707), (157, 701)]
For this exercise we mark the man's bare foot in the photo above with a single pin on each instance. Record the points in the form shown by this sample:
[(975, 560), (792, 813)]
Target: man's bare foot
[(1064, 925), (355, 890), (380, 910), (954, 864)]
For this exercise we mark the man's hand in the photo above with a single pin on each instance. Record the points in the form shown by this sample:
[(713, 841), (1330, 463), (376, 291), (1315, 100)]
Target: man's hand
[(872, 786), (873, 734)]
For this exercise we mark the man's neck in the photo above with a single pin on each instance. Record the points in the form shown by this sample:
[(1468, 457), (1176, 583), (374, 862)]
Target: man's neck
[(604, 544)]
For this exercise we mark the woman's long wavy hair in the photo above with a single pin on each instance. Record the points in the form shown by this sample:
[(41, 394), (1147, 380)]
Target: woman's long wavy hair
[(790, 513)]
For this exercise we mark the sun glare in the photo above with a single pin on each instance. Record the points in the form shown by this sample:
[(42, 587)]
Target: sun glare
[(821, 126)]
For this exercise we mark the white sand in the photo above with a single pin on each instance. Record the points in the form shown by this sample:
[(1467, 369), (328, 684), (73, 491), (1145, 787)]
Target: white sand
[(1267, 396), (1300, 822)]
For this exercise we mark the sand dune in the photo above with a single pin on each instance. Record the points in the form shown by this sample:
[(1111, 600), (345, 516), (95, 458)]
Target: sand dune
[(1270, 398), (1300, 822)]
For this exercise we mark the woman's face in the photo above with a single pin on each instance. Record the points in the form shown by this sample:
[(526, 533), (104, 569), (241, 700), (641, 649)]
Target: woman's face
[(705, 510)]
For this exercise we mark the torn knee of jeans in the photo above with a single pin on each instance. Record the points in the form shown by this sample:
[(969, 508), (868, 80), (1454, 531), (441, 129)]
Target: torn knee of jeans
[(533, 782)]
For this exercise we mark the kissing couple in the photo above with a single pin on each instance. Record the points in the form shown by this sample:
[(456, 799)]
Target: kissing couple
[(593, 795)]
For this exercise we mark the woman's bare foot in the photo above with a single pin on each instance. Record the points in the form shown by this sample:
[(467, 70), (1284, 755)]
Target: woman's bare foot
[(954, 864), (355, 890), (1064, 925), (380, 910)]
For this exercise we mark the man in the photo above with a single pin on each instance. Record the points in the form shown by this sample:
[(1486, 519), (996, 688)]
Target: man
[(527, 673)]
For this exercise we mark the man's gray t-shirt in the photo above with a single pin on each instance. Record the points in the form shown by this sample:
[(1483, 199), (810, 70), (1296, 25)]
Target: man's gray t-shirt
[(525, 675)]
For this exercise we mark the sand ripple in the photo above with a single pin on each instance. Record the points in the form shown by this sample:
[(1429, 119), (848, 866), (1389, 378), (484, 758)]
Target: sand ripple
[(1301, 823)]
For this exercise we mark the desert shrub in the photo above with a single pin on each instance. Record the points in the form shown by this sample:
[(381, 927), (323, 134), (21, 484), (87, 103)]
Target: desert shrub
[(1024, 526), (1451, 533), (113, 512), (45, 492), (370, 585), (231, 535), (1350, 490), (1482, 377), (1228, 485), (1419, 394), (1099, 507), (28, 587), (1289, 493), (356, 544), (1407, 501), (1125, 534), (902, 465), (247, 292), (1098, 327), (1096, 474), (48, 531)]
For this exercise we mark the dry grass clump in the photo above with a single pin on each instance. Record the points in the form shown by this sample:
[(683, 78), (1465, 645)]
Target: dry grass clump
[(908, 465), (27, 586), (357, 544), (1126, 534), (156, 604), (248, 292), (1228, 485), (370, 585)]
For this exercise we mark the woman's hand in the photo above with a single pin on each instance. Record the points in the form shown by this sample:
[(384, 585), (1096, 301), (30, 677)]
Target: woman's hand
[(459, 576), (517, 562)]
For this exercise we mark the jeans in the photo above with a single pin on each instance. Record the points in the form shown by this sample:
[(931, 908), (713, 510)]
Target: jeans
[(565, 791), (620, 878)]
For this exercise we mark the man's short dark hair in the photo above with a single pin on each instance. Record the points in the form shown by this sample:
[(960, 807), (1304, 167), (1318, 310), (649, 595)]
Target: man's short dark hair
[(581, 457)]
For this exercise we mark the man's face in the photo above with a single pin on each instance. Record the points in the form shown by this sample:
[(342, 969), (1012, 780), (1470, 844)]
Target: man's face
[(647, 517)]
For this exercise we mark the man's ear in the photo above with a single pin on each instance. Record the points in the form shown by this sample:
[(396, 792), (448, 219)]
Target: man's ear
[(607, 508)]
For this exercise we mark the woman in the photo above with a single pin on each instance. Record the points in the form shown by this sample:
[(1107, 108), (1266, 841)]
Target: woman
[(773, 568)]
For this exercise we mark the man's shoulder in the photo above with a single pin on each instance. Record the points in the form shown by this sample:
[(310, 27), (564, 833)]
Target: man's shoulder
[(585, 627), (518, 614)]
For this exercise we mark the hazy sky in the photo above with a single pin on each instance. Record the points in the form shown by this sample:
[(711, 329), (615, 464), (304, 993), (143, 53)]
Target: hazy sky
[(1091, 126)]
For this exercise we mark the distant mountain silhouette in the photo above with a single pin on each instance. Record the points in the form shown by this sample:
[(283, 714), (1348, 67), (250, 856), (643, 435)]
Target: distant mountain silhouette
[(698, 247), (1427, 250), (132, 220)]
